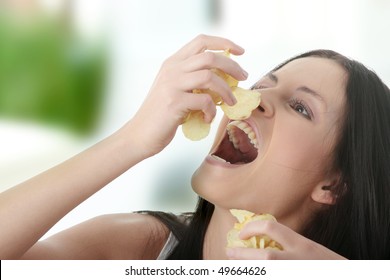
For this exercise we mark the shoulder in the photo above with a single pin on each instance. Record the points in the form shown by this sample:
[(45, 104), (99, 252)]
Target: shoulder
[(111, 236), (132, 235)]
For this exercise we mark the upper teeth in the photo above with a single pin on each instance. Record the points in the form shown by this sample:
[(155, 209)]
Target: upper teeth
[(244, 127)]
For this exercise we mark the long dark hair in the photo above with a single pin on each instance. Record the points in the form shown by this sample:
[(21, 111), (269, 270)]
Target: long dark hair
[(358, 225)]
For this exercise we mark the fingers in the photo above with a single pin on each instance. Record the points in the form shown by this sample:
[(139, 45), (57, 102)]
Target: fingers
[(295, 246), (254, 254), (273, 229), (209, 60), (202, 102), (194, 66), (205, 42), (206, 79)]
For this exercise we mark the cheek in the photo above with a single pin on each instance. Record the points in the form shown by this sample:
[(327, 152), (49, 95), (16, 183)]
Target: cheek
[(298, 148), (278, 190), (291, 164)]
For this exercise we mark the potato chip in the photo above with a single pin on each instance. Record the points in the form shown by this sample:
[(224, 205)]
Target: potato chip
[(241, 215), (226, 77), (194, 127), (215, 96), (260, 242), (234, 241), (247, 101)]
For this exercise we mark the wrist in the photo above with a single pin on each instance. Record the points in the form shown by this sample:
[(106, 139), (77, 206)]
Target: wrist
[(132, 144)]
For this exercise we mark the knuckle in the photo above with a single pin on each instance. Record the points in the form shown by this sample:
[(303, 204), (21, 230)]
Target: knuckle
[(201, 38), (201, 41), (207, 77), (235, 65), (163, 71), (207, 101), (167, 61), (206, 104), (209, 58), (164, 77), (268, 225), (166, 68)]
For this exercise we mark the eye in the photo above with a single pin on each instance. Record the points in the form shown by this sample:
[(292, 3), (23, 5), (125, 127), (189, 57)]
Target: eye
[(256, 87), (301, 107)]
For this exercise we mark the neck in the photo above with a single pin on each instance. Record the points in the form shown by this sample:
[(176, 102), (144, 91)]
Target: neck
[(214, 245)]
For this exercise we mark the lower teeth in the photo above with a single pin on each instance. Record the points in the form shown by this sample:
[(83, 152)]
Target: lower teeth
[(220, 159)]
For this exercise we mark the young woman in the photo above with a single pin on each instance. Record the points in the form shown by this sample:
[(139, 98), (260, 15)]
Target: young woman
[(318, 164)]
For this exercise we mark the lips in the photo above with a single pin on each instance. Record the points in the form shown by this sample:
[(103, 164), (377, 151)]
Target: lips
[(239, 145)]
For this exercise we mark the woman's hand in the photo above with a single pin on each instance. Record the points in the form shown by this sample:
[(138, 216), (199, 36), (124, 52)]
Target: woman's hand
[(171, 99), (295, 246)]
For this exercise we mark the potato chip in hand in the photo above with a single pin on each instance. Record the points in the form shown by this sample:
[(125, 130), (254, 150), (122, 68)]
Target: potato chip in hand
[(260, 242), (195, 128), (247, 101)]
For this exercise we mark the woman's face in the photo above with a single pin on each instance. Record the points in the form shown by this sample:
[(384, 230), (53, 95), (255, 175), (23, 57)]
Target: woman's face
[(293, 133)]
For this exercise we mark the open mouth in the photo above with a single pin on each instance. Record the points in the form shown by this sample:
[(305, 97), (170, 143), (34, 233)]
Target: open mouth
[(239, 145)]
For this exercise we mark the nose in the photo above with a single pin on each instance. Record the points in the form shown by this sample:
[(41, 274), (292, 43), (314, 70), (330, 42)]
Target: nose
[(266, 105)]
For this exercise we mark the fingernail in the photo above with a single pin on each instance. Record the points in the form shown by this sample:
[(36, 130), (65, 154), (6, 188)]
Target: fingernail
[(241, 49), (244, 73), (233, 99)]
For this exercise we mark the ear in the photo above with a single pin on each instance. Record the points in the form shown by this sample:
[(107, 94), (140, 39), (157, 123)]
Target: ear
[(325, 191)]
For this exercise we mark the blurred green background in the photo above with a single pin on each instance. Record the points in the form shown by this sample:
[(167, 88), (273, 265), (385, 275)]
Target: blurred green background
[(49, 74)]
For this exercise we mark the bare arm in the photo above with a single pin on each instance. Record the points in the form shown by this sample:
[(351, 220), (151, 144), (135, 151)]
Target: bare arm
[(113, 236), (34, 206)]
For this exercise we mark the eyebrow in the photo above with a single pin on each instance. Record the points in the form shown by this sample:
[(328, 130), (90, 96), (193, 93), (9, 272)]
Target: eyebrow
[(272, 77), (304, 89)]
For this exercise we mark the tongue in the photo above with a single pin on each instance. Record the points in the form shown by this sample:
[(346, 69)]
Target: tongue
[(243, 143), (227, 151), (244, 153)]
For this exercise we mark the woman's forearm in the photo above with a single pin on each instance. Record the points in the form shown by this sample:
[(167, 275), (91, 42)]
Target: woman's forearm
[(30, 209)]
